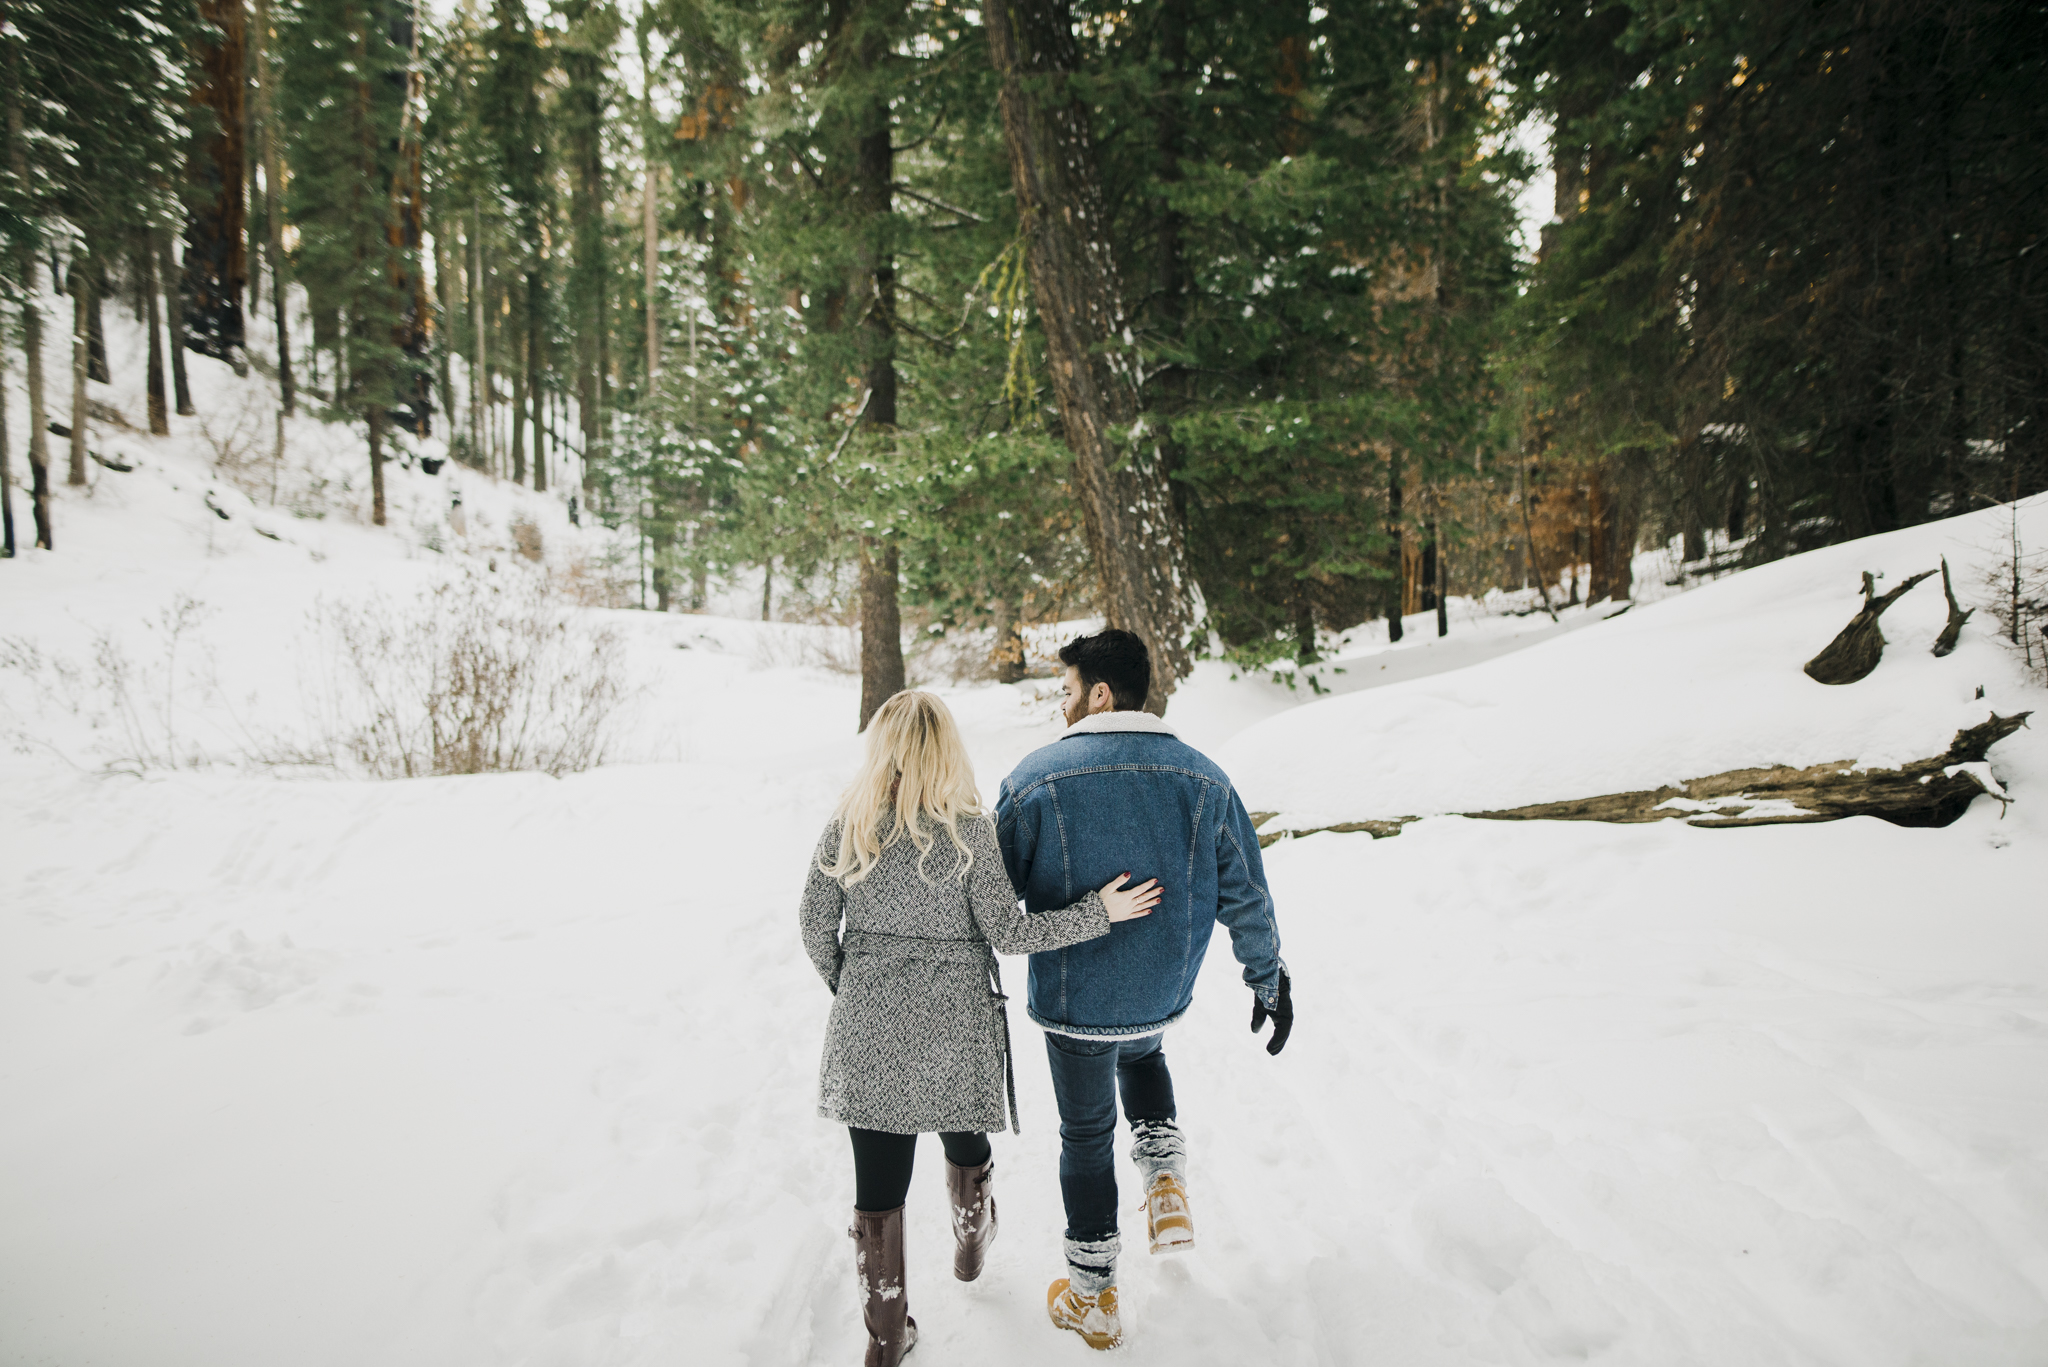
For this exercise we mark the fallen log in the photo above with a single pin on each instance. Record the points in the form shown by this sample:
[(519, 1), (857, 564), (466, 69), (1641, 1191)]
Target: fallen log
[(1924, 792), (1858, 646), (1957, 615)]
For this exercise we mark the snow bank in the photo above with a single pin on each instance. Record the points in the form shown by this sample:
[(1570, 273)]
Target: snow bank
[(1694, 685)]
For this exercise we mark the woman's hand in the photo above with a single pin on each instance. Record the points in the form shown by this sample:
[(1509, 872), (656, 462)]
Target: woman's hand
[(1128, 904)]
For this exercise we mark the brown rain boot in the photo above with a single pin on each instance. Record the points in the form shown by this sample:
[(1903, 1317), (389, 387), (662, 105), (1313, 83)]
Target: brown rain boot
[(974, 1216), (878, 1265)]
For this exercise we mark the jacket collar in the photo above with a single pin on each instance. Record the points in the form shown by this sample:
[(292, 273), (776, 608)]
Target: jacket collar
[(1121, 721)]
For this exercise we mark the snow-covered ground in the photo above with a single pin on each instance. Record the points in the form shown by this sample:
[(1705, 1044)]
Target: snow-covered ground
[(510, 1069)]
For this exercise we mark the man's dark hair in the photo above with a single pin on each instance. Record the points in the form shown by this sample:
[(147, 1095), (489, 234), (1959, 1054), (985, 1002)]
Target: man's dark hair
[(1117, 658)]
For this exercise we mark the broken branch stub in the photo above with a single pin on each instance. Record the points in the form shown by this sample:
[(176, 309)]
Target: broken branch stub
[(1858, 647), (1957, 615)]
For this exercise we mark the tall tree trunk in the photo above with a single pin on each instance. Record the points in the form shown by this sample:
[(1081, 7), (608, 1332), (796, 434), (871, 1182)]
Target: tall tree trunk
[(174, 307), (216, 254), (79, 278), (31, 312), (1127, 504), (479, 373), (1429, 566), (273, 206), (38, 415), (1599, 529), (881, 627), (6, 477), (1443, 588), (376, 424), (519, 372), (881, 620), (447, 310), (1008, 653), (650, 222), (1398, 582), (95, 325), (536, 388), (159, 405)]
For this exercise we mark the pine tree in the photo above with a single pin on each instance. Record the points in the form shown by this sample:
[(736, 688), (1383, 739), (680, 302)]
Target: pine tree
[(347, 113)]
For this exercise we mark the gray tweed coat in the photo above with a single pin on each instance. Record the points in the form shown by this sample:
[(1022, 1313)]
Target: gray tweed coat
[(918, 1039)]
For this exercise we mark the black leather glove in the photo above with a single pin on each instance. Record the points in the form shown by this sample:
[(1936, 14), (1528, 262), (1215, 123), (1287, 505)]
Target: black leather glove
[(1282, 1013)]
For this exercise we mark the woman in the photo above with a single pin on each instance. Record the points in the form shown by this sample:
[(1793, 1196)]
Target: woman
[(918, 1039)]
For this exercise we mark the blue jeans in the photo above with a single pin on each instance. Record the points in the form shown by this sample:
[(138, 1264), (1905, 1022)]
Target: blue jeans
[(1087, 1074)]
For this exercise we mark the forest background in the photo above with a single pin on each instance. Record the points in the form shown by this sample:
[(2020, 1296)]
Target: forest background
[(1210, 319)]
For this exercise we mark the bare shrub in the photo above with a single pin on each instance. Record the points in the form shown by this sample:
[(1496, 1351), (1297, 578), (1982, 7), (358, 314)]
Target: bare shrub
[(590, 581), (474, 677), (235, 434), (2017, 589), (526, 538), (139, 713)]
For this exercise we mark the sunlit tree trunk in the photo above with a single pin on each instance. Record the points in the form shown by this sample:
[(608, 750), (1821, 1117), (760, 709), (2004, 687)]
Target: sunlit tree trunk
[(1128, 514)]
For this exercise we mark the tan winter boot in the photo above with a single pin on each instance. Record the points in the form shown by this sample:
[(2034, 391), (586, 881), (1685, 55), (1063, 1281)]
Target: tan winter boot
[(974, 1216), (1167, 1218), (1094, 1318), (878, 1263)]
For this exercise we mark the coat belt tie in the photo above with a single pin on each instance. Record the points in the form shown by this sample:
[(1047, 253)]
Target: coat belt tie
[(936, 949)]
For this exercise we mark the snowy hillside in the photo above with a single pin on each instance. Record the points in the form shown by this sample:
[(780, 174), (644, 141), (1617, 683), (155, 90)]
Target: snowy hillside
[(1694, 685), (511, 1069)]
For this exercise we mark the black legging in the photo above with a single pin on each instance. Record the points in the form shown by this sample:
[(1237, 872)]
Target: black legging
[(882, 1163)]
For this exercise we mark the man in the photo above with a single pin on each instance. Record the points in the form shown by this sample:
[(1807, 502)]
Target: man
[(1120, 793)]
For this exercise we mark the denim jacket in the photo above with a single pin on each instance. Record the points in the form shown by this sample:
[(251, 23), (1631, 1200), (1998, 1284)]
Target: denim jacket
[(1119, 791)]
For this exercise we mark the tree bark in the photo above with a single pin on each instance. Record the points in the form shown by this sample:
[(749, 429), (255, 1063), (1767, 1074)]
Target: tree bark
[(1858, 647), (1429, 566), (6, 477), (1957, 615), (519, 371), (31, 316), (479, 373), (881, 628), (1007, 655), (1127, 504), (273, 206), (536, 389), (650, 215), (376, 423), (80, 282), (446, 311), (1398, 583), (216, 255), (1443, 587), (95, 325), (159, 406), (1529, 543), (881, 621), (174, 308)]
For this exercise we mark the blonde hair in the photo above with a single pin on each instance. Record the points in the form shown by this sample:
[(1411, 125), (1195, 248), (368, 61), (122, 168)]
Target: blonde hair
[(916, 776)]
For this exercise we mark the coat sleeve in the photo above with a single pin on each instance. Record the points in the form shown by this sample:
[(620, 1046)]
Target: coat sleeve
[(1016, 837), (819, 914), (1008, 928), (1244, 905)]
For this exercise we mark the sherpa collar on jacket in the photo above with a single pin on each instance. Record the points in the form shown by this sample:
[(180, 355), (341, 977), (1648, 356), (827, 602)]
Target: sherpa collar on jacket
[(1121, 721)]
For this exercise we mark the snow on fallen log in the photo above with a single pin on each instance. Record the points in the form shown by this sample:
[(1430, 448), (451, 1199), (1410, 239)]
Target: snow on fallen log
[(1925, 792)]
